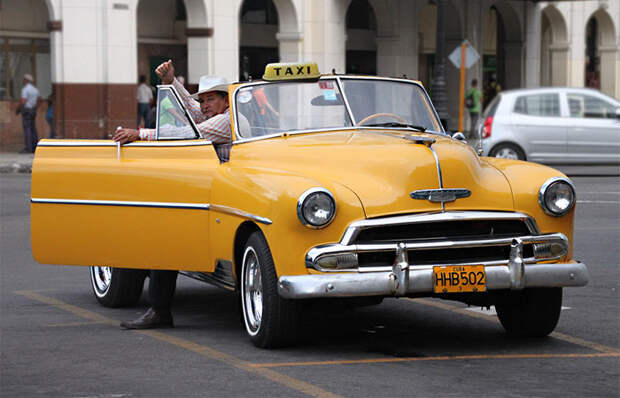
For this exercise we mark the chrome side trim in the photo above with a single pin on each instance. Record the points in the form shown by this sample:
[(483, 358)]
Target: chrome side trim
[(85, 143), (240, 213), (354, 228), (169, 205), (543, 190), (317, 252), (421, 281)]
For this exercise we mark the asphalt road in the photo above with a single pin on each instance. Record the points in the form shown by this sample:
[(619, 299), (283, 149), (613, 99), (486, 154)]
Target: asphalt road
[(56, 341)]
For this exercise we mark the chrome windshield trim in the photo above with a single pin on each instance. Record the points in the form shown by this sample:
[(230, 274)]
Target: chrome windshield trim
[(181, 104), (169, 205), (178, 143), (316, 253), (240, 213), (354, 229), (346, 102)]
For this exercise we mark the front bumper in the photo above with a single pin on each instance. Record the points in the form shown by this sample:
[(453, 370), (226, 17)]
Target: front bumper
[(406, 280)]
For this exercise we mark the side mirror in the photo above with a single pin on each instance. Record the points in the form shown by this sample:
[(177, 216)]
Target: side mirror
[(459, 136)]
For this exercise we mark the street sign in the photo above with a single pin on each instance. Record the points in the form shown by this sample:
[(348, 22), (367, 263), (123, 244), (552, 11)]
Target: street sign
[(471, 55)]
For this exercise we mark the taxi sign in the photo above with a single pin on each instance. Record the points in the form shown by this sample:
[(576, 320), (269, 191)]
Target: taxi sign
[(291, 71)]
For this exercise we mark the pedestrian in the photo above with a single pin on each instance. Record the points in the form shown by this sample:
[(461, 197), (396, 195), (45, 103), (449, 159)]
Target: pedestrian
[(473, 99), (145, 98), (30, 98), (492, 89), (49, 115)]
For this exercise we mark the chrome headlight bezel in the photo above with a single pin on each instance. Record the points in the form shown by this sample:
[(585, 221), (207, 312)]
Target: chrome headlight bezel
[(547, 187), (303, 200)]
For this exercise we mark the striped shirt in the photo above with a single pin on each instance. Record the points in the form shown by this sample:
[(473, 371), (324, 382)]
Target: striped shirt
[(216, 129)]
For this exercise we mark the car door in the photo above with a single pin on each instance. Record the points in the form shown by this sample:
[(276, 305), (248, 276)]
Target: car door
[(594, 133), (539, 126), (141, 205)]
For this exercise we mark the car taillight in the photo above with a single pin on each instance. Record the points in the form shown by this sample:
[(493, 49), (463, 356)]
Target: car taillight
[(488, 123)]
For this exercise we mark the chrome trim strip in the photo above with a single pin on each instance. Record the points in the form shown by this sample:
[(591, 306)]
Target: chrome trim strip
[(355, 227), (421, 281), (346, 102), (240, 213), (443, 205), (300, 203), (170, 205), (181, 104), (441, 195), (317, 252), (543, 190), (70, 143)]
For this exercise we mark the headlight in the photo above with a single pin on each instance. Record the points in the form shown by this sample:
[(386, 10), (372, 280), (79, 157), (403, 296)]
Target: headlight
[(557, 196), (316, 207)]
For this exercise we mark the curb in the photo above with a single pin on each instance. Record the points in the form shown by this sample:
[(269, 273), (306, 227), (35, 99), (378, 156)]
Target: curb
[(15, 168)]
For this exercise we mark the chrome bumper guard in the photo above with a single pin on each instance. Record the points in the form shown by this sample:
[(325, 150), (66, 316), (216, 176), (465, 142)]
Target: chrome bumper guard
[(404, 279)]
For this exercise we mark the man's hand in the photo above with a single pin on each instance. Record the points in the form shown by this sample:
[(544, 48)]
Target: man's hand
[(126, 135), (165, 71)]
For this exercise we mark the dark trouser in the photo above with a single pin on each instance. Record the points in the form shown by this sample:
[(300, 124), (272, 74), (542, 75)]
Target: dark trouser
[(30, 130), (161, 289), (473, 133), (51, 124), (143, 113)]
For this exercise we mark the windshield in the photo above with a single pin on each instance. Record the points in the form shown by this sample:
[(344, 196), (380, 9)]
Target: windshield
[(273, 108)]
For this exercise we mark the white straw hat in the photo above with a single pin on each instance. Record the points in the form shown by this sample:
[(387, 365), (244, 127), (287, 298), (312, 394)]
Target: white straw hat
[(211, 83)]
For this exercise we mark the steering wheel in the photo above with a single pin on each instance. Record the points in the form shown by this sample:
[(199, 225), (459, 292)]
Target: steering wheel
[(376, 115)]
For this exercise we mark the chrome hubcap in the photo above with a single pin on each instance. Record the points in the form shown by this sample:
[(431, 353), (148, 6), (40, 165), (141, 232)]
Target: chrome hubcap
[(252, 291), (101, 278), (507, 153)]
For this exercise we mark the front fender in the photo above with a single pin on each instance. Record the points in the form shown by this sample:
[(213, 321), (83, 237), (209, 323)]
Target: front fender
[(272, 195)]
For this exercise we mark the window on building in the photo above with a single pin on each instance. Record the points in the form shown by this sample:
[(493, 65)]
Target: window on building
[(19, 56), (259, 12), (361, 16), (538, 105)]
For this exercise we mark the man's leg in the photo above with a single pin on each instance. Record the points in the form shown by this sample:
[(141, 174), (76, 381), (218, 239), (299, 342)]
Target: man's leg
[(35, 134), (161, 291)]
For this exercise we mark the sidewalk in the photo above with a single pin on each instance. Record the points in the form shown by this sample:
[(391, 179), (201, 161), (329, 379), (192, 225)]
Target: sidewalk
[(11, 162)]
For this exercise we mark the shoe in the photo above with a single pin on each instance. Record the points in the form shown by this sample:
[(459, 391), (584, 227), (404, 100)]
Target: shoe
[(150, 320)]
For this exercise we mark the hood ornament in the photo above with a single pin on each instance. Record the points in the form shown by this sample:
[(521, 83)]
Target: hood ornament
[(441, 195)]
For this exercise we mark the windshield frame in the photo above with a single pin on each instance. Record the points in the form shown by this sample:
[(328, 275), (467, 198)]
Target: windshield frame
[(238, 139)]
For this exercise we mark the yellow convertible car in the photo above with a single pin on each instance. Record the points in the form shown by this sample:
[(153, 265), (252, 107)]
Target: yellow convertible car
[(337, 187)]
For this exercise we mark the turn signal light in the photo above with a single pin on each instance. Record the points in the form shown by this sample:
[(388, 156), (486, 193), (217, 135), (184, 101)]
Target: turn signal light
[(488, 123)]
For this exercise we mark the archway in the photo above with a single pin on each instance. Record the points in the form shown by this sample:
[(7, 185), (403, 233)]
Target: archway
[(258, 44), (161, 36), (502, 48), (554, 48), (601, 53), (361, 47), (24, 49)]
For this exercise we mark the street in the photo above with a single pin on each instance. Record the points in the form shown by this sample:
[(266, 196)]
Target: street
[(56, 341)]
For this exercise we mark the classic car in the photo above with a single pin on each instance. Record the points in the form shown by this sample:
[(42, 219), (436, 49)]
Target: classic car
[(337, 187)]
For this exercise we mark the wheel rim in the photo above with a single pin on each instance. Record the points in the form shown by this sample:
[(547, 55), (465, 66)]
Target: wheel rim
[(101, 278), (507, 153), (252, 291)]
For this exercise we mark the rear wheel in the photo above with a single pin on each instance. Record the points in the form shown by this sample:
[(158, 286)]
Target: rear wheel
[(530, 312), (117, 287), (270, 320), (507, 151)]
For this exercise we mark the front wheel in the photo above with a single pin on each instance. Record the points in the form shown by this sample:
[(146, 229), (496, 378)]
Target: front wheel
[(270, 320), (117, 287), (530, 312)]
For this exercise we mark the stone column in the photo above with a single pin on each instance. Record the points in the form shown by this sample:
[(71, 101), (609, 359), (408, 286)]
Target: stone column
[(533, 34), (440, 98), (290, 44), (609, 70), (197, 53), (559, 64)]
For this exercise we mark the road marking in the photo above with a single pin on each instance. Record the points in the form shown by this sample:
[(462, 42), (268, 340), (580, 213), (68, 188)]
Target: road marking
[(69, 324), (598, 201), (437, 358), (490, 311), (287, 381), (561, 336)]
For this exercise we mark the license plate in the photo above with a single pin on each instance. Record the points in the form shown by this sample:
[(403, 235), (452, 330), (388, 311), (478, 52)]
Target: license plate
[(459, 279)]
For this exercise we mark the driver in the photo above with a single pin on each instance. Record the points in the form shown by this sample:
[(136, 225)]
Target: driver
[(208, 107)]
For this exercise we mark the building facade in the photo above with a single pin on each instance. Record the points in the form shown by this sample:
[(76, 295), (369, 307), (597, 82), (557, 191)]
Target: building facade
[(86, 55)]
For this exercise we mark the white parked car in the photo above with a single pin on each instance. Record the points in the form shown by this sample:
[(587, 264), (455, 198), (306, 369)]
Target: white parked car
[(552, 125)]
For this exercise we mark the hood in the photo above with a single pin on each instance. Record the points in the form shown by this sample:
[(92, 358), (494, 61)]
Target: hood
[(382, 168)]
